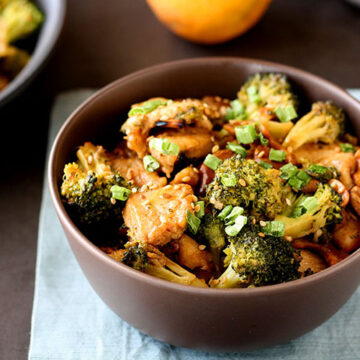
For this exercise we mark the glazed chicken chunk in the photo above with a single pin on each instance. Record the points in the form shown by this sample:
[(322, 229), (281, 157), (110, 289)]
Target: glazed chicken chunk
[(330, 155), (172, 114), (158, 216), (193, 143), (132, 169)]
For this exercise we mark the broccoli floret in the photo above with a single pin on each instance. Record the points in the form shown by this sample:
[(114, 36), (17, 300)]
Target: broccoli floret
[(87, 185), (159, 265), (322, 173), (324, 123), (18, 19), (212, 229), (268, 90), (255, 260), (261, 190), (327, 211)]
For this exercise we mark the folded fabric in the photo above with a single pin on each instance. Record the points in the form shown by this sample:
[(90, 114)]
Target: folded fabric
[(70, 322)]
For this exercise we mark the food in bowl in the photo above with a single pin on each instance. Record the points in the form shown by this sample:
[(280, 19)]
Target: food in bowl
[(19, 19), (260, 190)]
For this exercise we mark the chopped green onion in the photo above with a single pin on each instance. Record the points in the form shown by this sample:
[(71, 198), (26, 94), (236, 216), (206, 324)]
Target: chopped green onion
[(225, 212), (212, 162), (277, 155), (150, 164), (223, 133), (285, 113), (317, 169), (295, 183), (147, 107), (246, 134), (228, 180), (201, 212), (193, 222), (347, 147), (237, 149), (274, 228), (308, 204), (265, 165), (253, 94), (299, 180), (263, 140), (164, 146), (288, 170), (234, 229), (236, 110), (235, 212), (304, 177), (119, 192)]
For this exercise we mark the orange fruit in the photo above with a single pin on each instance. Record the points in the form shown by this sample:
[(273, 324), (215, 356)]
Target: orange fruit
[(209, 21)]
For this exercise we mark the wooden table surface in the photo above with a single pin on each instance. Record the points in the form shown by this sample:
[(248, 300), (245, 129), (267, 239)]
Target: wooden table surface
[(102, 41)]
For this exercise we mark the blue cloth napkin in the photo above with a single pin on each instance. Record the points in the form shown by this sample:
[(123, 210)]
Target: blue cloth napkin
[(70, 322)]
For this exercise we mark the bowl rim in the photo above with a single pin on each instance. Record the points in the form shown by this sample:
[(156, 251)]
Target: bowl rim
[(44, 47), (157, 282)]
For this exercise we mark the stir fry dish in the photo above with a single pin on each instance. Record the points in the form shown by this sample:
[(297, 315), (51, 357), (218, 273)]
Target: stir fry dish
[(18, 20), (260, 190)]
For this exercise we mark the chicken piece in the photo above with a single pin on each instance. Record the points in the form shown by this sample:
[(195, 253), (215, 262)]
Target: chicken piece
[(132, 169), (355, 199), (183, 112), (216, 108), (158, 216), (356, 175), (328, 252), (116, 254), (193, 142), (188, 175), (192, 255), (347, 233), (330, 155), (310, 261)]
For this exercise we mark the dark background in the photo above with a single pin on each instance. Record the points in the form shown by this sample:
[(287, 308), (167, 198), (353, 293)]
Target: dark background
[(106, 39)]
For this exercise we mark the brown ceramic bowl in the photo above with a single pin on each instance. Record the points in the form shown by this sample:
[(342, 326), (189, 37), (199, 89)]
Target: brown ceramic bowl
[(208, 319)]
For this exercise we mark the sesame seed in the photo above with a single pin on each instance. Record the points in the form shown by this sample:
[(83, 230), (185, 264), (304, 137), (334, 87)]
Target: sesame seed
[(167, 187), (288, 238), (197, 208), (288, 202), (134, 190), (193, 205), (212, 139), (215, 148), (262, 223), (242, 182), (207, 111), (261, 154), (217, 98), (195, 198), (186, 178), (216, 282), (113, 201), (261, 234), (90, 159), (196, 170), (319, 233), (253, 221), (202, 247)]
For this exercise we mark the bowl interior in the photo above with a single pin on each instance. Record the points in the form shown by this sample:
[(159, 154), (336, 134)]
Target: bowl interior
[(54, 11)]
